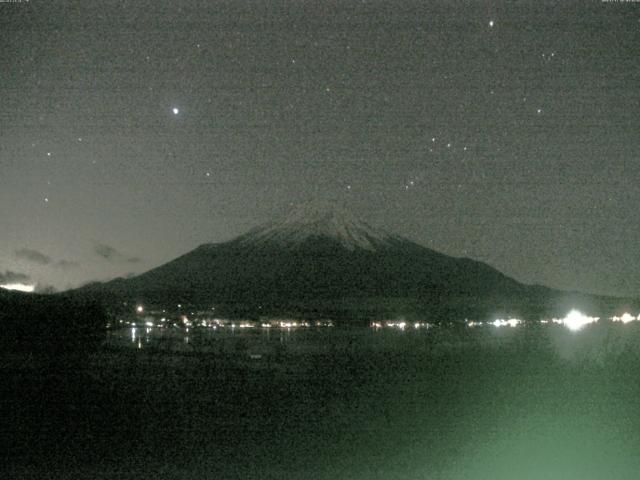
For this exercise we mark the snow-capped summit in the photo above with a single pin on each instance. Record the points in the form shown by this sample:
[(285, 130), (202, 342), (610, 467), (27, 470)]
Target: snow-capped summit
[(320, 219)]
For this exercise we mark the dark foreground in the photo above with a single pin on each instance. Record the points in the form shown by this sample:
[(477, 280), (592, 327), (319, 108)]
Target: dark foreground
[(526, 403)]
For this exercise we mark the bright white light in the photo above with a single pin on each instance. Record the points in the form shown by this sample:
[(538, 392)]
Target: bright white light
[(491, 23), (575, 320), (21, 287), (175, 111), (139, 309)]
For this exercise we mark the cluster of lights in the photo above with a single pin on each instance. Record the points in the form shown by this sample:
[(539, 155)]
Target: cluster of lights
[(499, 322), (512, 322), (625, 318), (401, 325), (574, 320), (216, 323)]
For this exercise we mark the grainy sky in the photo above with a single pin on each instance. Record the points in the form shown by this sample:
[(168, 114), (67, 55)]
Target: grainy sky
[(508, 132)]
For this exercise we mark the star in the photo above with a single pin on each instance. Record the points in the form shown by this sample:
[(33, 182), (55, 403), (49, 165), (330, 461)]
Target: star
[(48, 154), (491, 23), (539, 110), (46, 199), (176, 111)]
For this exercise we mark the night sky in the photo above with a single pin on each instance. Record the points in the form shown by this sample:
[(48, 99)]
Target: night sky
[(508, 132)]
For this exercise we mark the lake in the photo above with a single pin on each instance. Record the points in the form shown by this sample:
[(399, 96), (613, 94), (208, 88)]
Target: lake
[(527, 402)]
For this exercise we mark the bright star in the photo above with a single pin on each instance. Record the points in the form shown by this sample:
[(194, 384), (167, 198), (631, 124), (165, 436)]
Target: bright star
[(491, 23), (175, 111)]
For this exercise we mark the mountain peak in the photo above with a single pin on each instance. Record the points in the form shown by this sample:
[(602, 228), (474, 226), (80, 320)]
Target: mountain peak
[(319, 219)]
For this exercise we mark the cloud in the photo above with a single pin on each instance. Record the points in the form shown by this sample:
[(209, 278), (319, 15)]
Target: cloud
[(13, 277), (33, 256), (111, 254), (107, 252), (66, 264)]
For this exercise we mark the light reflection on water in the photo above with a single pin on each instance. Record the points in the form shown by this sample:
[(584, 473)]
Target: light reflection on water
[(591, 341)]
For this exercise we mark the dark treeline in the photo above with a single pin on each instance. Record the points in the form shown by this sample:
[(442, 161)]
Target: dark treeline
[(50, 324), (46, 389)]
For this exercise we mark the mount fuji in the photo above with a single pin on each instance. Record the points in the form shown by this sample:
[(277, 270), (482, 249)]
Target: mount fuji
[(319, 260)]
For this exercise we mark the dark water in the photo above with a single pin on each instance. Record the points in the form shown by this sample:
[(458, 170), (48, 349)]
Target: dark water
[(444, 403)]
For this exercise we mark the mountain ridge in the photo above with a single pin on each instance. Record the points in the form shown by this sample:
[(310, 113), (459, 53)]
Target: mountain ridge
[(320, 260)]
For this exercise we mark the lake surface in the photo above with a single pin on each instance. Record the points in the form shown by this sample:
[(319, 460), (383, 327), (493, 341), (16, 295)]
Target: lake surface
[(530, 402)]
